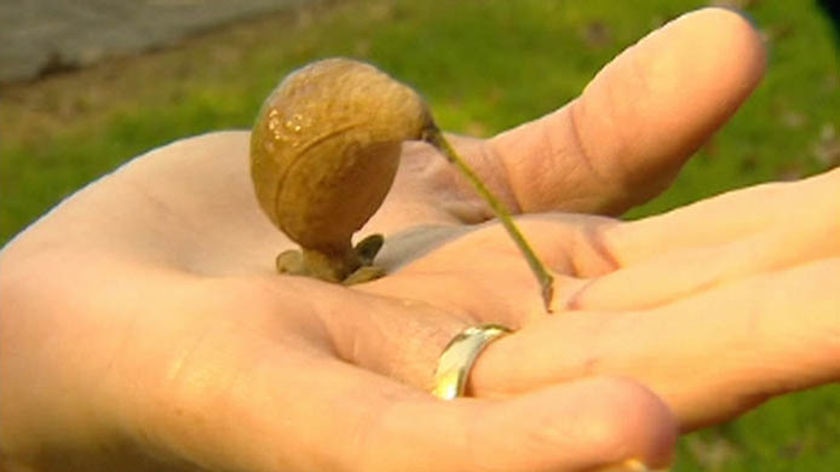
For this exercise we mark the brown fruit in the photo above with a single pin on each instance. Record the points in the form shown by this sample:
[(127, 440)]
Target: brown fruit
[(325, 149), (324, 153)]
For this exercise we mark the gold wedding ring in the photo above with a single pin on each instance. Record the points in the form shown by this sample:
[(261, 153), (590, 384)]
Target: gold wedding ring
[(456, 361)]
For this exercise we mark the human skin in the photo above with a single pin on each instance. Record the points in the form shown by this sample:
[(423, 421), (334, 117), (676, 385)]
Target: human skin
[(143, 326)]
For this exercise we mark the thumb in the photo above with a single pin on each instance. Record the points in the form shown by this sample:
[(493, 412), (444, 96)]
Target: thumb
[(624, 139)]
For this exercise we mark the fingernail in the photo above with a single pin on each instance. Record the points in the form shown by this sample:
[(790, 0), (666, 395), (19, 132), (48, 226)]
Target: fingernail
[(630, 465)]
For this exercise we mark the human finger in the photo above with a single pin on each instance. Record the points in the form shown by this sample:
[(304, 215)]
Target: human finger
[(259, 393), (710, 356), (726, 218), (334, 416), (714, 242), (624, 139), (585, 425)]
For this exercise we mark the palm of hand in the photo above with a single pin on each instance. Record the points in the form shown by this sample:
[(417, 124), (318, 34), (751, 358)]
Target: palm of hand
[(188, 302), (166, 323), (217, 240), (445, 276)]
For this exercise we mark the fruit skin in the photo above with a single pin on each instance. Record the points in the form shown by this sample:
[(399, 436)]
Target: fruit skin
[(324, 153)]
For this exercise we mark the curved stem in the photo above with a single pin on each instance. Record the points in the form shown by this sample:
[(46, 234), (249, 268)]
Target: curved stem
[(435, 137)]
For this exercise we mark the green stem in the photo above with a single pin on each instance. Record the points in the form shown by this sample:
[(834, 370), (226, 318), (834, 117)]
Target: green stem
[(436, 138)]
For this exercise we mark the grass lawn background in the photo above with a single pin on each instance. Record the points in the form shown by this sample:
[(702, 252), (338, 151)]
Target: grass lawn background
[(484, 66)]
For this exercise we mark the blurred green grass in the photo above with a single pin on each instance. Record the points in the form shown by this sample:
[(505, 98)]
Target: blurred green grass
[(484, 66)]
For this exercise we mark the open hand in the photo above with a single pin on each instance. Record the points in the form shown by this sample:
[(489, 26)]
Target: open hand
[(143, 322)]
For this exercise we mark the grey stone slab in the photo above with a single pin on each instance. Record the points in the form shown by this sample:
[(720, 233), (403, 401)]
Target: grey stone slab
[(39, 36)]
